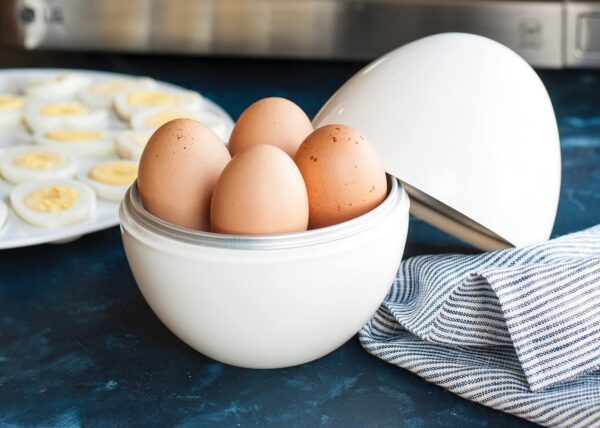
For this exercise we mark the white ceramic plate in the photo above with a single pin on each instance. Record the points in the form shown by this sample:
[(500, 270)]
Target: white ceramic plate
[(16, 232)]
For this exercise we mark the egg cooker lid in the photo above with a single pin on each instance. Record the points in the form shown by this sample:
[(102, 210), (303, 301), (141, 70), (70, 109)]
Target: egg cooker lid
[(468, 127)]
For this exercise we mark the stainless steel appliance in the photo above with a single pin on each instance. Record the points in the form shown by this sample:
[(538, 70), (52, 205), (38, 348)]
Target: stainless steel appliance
[(548, 33)]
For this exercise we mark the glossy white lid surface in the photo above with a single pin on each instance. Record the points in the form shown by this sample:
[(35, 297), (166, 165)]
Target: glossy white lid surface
[(469, 126)]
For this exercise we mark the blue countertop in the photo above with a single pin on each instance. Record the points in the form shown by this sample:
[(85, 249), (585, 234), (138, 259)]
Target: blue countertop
[(79, 345)]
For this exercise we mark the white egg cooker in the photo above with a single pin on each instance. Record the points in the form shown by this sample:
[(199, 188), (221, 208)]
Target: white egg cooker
[(463, 125)]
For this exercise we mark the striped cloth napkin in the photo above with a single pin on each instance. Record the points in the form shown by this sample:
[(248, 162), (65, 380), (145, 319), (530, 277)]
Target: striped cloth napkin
[(517, 330)]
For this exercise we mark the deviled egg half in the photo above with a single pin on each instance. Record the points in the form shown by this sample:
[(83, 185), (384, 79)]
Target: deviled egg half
[(131, 143), (11, 110), (111, 179), (57, 87), (30, 162), (129, 103), (53, 203), (102, 94), (47, 115), (152, 119), (79, 142)]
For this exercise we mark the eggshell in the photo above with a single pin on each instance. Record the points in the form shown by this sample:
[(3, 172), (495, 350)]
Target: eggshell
[(178, 171), (343, 174), (260, 192), (275, 121)]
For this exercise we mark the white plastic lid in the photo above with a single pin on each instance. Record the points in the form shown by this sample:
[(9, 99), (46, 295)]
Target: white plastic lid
[(469, 128)]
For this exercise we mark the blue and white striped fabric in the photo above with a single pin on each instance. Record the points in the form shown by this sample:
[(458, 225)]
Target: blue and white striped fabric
[(517, 330)]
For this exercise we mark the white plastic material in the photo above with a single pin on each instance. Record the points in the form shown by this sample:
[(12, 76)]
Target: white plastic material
[(290, 300), (467, 124)]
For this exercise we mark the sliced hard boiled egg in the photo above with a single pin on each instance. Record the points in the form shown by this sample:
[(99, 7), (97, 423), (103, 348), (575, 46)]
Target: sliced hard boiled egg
[(19, 164), (42, 116), (131, 143), (154, 118), (134, 101), (53, 203), (58, 87), (80, 142), (11, 108), (3, 213), (102, 94), (111, 179)]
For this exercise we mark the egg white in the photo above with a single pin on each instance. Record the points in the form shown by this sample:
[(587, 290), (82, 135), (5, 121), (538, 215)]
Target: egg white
[(183, 99), (58, 87), (103, 146), (97, 95), (109, 192), (3, 213), (11, 118), (131, 143), (214, 122), (15, 173), (13, 136), (37, 121), (84, 209)]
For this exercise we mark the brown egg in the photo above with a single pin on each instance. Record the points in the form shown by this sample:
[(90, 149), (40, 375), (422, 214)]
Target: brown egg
[(275, 121), (260, 192), (178, 171), (343, 174)]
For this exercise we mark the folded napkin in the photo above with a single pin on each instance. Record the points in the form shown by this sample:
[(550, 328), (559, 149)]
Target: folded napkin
[(517, 330)]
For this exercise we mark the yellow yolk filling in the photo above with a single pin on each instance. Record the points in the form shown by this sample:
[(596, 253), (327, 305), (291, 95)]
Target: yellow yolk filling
[(9, 102), (108, 88), (160, 119), (52, 199), (64, 109), (41, 160), (74, 135), (151, 98), (115, 173)]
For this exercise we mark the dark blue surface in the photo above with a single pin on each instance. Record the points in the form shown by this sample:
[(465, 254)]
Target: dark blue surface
[(79, 346)]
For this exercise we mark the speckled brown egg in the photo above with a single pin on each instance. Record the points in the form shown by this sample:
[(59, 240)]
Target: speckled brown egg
[(178, 171), (260, 192), (344, 176), (275, 121)]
